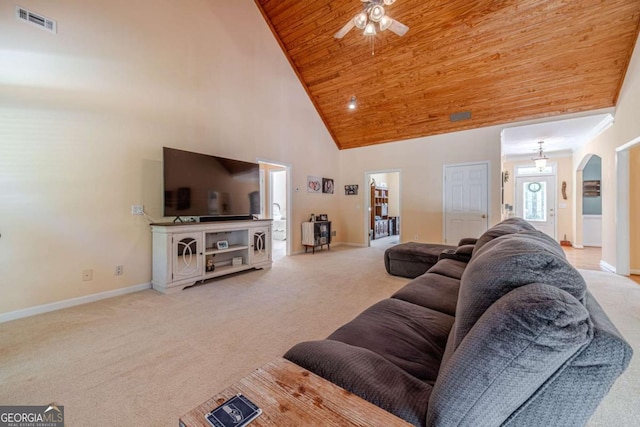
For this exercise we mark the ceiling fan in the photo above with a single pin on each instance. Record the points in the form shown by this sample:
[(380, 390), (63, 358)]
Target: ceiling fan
[(373, 13)]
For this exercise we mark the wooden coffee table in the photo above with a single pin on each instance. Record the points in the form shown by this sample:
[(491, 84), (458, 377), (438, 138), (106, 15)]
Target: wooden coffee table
[(289, 395)]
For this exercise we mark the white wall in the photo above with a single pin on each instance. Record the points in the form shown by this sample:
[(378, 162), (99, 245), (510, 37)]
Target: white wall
[(421, 162), (84, 115), (626, 127)]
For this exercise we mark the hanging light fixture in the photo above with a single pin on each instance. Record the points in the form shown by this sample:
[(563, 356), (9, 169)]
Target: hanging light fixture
[(352, 103), (541, 160)]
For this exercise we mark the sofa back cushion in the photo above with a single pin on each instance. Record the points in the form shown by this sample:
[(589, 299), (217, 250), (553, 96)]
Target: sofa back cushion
[(507, 263), (521, 341), (508, 226)]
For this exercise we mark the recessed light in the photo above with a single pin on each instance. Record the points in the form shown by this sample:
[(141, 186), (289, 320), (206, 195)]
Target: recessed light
[(352, 103)]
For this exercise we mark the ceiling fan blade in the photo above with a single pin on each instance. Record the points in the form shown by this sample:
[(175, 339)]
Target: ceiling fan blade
[(344, 30), (399, 28)]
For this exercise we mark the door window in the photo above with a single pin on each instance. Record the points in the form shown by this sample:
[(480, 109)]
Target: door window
[(535, 198)]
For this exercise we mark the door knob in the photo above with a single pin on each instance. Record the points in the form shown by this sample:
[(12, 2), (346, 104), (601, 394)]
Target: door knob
[(484, 216)]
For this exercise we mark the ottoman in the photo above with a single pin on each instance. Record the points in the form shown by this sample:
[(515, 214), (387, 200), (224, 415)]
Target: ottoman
[(412, 259)]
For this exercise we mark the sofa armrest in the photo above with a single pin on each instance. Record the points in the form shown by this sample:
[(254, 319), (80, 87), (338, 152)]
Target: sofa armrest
[(461, 253), (467, 241), (365, 374)]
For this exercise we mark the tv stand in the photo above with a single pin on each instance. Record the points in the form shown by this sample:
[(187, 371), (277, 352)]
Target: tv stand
[(187, 253)]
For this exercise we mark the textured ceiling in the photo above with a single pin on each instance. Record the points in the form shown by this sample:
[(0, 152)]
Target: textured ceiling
[(504, 61)]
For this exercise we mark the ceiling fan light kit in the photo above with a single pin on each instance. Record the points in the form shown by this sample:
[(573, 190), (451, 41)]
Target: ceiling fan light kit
[(385, 23), (360, 20), (370, 29), (377, 12), (373, 12)]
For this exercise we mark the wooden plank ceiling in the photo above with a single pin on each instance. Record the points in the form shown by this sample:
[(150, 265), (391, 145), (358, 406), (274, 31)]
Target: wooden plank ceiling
[(503, 61)]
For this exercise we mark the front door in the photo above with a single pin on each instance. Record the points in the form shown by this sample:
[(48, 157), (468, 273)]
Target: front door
[(536, 202), (466, 201)]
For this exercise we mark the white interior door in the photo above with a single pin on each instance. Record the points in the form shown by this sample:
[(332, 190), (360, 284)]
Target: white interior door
[(536, 202), (465, 201)]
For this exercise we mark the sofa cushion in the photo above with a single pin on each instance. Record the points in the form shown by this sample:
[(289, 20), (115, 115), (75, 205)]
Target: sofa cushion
[(449, 267), (522, 340), (432, 291), (408, 335), (366, 374), (504, 264), (508, 226)]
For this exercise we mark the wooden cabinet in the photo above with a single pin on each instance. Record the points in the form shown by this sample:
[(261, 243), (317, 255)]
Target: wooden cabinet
[(379, 212), (184, 254), (591, 188), (316, 233), (186, 263), (261, 246)]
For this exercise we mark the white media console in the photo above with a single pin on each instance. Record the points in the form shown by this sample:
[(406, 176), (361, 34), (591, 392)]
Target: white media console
[(185, 253)]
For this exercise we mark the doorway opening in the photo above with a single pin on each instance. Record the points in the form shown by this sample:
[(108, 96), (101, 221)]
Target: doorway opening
[(627, 206), (275, 190), (382, 215)]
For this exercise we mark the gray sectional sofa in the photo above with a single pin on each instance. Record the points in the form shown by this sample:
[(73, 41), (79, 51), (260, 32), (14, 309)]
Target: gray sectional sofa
[(510, 338)]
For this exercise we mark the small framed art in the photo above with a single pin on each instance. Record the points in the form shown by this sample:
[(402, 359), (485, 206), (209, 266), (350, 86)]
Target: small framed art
[(314, 184), (351, 190), (327, 185)]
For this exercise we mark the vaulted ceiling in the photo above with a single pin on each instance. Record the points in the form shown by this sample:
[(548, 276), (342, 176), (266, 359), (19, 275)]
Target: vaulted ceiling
[(502, 61)]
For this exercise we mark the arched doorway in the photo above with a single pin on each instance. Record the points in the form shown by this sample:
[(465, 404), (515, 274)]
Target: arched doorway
[(592, 202)]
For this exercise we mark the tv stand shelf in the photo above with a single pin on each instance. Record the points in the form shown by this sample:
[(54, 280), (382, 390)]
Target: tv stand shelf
[(233, 248), (186, 253)]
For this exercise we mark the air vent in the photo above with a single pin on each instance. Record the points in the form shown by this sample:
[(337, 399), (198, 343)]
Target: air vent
[(33, 18), (463, 115)]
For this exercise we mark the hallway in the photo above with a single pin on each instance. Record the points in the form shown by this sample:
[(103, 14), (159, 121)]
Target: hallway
[(589, 259)]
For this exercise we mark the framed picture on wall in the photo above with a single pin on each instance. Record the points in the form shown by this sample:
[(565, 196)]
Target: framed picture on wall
[(314, 184), (351, 190), (327, 185)]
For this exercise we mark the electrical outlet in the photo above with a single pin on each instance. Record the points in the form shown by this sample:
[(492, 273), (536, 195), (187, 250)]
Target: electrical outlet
[(416, 237), (137, 210), (87, 275), (119, 270)]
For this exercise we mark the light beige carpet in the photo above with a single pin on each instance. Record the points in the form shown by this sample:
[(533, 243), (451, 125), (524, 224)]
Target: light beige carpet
[(145, 359)]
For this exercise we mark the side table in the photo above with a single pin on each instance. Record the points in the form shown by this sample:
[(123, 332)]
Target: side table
[(289, 395)]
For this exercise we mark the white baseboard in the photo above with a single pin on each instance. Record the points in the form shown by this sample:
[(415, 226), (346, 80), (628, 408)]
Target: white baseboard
[(608, 267), (577, 246), (59, 305), (635, 272)]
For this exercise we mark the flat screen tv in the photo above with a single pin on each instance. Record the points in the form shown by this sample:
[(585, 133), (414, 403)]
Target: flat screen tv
[(209, 187)]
